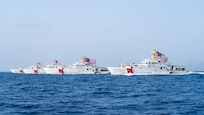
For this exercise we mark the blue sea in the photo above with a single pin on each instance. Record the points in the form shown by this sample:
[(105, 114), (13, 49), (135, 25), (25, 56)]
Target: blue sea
[(22, 94)]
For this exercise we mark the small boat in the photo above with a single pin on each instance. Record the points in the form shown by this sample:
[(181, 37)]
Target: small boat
[(54, 68), (34, 69), (103, 70), (156, 65)]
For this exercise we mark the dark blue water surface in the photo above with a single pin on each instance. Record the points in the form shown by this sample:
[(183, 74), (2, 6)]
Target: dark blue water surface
[(101, 94)]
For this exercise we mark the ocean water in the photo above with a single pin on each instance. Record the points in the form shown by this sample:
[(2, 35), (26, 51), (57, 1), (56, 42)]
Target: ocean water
[(101, 94)]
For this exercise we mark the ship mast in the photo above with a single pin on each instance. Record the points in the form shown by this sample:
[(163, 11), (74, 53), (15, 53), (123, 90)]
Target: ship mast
[(83, 60), (154, 55)]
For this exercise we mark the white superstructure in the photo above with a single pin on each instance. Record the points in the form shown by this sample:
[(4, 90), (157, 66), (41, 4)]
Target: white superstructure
[(156, 65), (79, 68)]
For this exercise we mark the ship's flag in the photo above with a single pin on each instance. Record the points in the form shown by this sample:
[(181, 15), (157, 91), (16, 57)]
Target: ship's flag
[(90, 61), (87, 60), (57, 62), (162, 57)]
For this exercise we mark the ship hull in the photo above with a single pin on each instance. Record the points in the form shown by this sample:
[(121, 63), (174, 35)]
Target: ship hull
[(53, 70), (142, 71), (80, 69), (20, 70), (33, 71)]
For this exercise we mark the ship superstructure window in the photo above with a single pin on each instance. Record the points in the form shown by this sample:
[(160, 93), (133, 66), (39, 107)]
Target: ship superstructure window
[(136, 65), (180, 69), (154, 63)]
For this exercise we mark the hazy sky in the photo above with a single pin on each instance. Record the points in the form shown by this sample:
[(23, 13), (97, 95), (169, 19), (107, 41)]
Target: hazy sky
[(110, 31)]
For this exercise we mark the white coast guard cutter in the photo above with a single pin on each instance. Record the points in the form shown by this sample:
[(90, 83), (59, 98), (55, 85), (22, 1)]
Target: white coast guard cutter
[(156, 65), (86, 66), (54, 68), (34, 69)]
